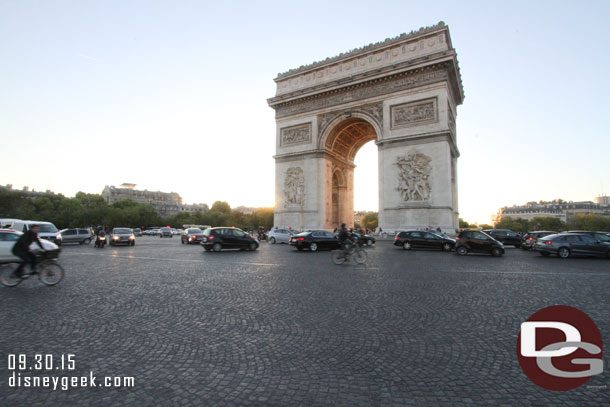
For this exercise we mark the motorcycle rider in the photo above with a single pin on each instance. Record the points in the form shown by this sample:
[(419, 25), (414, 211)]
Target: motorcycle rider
[(100, 234), (22, 249)]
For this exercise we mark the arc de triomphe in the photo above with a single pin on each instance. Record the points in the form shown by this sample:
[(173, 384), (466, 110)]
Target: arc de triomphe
[(402, 93)]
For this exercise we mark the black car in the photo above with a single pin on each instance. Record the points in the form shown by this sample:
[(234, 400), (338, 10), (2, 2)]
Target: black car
[(314, 240), (413, 239), (363, 240), (217, 239), (565, 245), (505, 236), (122, 236), (529, 239), (473, 241)]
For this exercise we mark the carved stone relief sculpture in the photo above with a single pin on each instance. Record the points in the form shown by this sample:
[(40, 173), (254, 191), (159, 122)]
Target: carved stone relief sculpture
[(299, 134), (414, 177), (294, 187), (419, 112)]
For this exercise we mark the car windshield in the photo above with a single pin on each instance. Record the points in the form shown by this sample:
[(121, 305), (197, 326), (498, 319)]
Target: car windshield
[(121, 231), (47, 228), (194, 231), (304, 234)]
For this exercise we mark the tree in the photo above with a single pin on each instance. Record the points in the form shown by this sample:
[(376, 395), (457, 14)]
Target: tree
[(463, 224), (370, 220)]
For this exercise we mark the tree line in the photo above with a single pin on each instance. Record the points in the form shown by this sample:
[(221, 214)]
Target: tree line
[(84, 210), (590, 222)]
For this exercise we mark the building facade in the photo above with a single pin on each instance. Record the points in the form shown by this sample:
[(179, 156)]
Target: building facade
[(562, 210), (165, 203)]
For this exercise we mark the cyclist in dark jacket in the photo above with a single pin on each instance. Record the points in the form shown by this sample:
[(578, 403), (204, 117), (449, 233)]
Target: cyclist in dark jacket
[(22, 250)]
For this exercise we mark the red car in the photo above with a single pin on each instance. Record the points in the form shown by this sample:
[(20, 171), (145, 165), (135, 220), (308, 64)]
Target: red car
[(192, 235)]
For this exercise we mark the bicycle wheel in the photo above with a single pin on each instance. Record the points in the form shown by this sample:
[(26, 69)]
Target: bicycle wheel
[(361, 257), (338, 257), (7, 275), (50, 273)]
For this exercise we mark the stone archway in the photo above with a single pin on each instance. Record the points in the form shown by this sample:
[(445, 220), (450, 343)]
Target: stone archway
[(402, 93)]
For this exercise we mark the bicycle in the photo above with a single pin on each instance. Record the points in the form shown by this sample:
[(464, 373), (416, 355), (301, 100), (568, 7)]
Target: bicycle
[(49, 272), (354, 252)]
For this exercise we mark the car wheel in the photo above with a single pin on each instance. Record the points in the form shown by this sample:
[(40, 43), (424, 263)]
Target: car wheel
[(272, 240), (313, 247), (446, 247), (369, 242), (517, 246), (299, 248), (563, 252), (496, 252), (87, 241), (217, 247), (406, 245), (462, 251), (545, 254), (252, 247)]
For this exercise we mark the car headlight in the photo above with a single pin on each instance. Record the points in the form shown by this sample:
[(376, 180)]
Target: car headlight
[(132, 237), (115, 237), (58, 236)]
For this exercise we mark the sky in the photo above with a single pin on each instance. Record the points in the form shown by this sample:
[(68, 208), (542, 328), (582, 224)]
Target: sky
[(171, 95)]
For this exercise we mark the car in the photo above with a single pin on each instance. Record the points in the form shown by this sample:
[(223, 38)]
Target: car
[(174, 231), (122, 236), (137, 232), (364, 240), (565, 245), (191, 235), (280, 235), (80, 236), (315, 240), (474, 241), (420, 239), (8, 238), (220, 238), (506, 236), (47, 231), (165, 232), (601, 236), (529, 239)]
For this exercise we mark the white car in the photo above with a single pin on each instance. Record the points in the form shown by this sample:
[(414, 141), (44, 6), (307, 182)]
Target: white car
[(48, 231), (279, 235), (8, 238)]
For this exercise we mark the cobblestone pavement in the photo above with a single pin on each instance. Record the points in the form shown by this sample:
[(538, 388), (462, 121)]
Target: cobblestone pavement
[(286, 328)]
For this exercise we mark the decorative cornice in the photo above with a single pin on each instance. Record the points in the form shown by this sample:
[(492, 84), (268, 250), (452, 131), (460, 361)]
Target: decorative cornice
[(366, 48)]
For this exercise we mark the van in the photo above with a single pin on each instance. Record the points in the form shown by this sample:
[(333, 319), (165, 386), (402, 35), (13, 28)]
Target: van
[(48, 230)]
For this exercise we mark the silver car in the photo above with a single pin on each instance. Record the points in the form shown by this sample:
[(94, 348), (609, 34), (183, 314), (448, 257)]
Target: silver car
[(280, 235), (122, 236), (80, 236)]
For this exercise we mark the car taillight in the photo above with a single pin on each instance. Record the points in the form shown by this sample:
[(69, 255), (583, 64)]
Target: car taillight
[(457, 239), (396, 238), (211, 237), (300, 239), (531, 238), (548, 242)]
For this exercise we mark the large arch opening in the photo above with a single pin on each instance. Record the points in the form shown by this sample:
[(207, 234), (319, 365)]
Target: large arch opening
[(342, 143)]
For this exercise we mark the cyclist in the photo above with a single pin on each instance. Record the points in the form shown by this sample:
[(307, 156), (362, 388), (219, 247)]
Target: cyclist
[(22, 250), (345, 239)]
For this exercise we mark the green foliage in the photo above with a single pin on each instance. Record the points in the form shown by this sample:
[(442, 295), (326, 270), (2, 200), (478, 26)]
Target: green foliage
[(370, 220), (579, 222), (590, 222), (463, 224)]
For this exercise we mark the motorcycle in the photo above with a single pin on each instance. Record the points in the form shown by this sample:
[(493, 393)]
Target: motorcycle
[(100, 242), (262, 236)]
